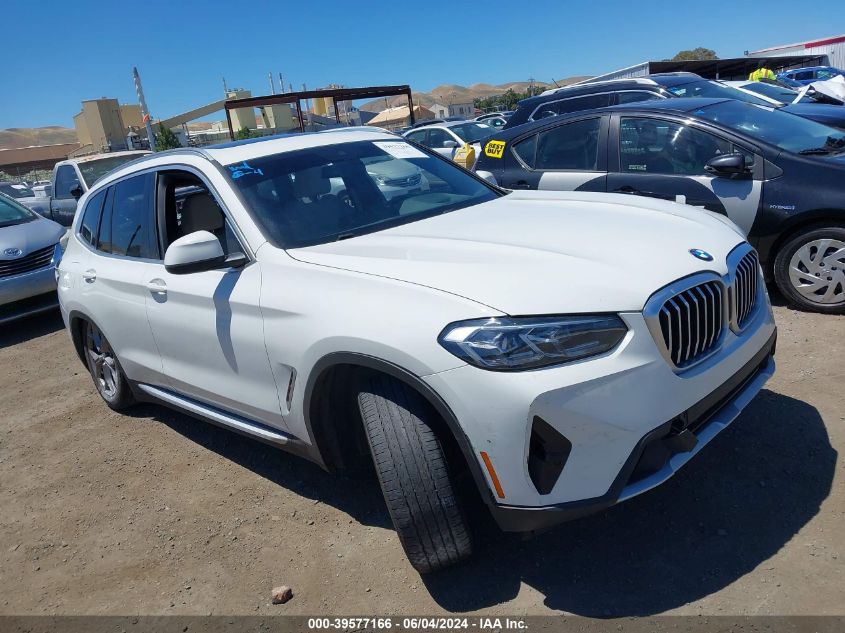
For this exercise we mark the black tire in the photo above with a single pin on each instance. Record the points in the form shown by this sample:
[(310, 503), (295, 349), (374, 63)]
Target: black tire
[(792, 270), (412, 470), (101, 360)]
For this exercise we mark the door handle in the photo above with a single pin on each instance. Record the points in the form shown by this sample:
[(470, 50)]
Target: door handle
[(157, 286), (521, 184), (626, 189), (89, 276)]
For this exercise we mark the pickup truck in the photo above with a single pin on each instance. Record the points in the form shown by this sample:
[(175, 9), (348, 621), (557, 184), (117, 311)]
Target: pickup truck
[(72, 178)]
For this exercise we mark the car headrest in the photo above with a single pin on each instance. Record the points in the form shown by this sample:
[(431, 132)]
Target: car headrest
[(310, 183), (200, 212)]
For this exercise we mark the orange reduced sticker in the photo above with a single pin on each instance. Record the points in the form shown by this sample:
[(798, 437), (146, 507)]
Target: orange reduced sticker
[(494, 149)]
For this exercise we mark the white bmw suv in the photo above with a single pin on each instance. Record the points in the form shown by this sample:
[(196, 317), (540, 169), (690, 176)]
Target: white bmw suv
[(566, 350)]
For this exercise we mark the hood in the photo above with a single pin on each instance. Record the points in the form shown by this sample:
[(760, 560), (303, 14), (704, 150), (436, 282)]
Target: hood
[(538, 252), (29, 236)]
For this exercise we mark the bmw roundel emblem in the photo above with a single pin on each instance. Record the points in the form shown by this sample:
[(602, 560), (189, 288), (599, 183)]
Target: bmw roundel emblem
[(700, 254), (13, 252)]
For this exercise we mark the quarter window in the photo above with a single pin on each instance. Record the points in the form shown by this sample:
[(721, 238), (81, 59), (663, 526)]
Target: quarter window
[(664, 147), (132, 227), (525, 150), (91, 219), (571, 146), (66, 179)]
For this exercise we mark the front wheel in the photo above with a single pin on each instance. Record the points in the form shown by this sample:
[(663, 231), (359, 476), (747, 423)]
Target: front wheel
[(412, 470), (105, 370), (810, 269)]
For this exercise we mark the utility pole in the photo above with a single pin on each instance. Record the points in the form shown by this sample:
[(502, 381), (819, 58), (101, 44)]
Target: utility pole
[(144, 112), (281, 84), (225, 87), (272, 85)]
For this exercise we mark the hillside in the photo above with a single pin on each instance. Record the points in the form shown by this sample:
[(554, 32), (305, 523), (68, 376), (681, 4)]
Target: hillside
[(461, 94), (26, 136)]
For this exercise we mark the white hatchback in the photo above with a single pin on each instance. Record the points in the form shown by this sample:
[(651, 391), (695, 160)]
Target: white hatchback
[(566, 350)]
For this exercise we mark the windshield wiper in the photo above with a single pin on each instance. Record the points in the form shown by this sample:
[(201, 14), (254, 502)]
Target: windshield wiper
[(818, 150), (831, 146)]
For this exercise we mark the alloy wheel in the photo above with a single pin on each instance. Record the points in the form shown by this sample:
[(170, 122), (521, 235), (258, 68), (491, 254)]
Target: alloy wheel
[(102, 362)]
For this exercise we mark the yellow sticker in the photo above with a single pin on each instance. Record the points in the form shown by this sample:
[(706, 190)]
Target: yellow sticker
[(494, 149)]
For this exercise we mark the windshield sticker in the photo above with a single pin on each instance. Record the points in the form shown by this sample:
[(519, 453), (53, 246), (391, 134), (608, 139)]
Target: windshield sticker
[(243, 169), (494, 149), (399, 149)]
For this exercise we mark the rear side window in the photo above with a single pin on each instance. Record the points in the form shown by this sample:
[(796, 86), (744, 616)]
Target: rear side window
[(635, 96), (66, 179), (132, 219), (572, 146), (575, 104), (91, 218)]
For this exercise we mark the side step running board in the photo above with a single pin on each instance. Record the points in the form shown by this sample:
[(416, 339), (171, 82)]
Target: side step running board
[(221, 418)]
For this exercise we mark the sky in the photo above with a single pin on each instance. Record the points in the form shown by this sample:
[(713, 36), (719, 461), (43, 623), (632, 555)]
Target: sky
[(57, 54)]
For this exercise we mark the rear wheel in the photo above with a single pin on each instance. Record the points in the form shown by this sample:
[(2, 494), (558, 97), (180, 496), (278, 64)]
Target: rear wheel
[(412, 470), (105, 370), (810, 269)]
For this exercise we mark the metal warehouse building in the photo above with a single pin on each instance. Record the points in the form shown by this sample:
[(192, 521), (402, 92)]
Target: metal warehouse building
[(828, 51), (832, 47)]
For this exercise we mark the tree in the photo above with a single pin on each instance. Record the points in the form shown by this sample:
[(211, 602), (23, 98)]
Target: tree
[(506, 101), (694, 54), (166, 139), (244, 133)]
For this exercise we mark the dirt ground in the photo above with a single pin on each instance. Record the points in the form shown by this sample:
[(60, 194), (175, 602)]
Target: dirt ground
[(157, 513)]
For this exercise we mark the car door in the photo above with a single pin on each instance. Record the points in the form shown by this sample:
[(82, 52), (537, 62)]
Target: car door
[(208, 325), (666, 159), (118, 233), (569, 156), (63, 204)]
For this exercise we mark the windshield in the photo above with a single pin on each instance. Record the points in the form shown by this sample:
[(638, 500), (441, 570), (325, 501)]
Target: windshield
[(333, 192), (13, 213), (705, 88), (472, 132), (787, 131), (93, 170), (780, 93), (16, 191)]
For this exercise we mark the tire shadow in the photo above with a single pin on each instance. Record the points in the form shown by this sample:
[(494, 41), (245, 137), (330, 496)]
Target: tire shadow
[(28, 328), (359, 495), (731, 508)]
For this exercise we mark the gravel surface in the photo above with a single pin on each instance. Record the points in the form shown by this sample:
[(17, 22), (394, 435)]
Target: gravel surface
[(157, 513)]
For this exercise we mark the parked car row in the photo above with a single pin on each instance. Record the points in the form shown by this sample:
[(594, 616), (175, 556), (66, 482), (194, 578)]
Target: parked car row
[(356, 298), (776, 175)]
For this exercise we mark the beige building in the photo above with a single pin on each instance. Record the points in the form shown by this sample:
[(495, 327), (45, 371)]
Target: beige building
[(242, 117), (100, 125), (276, 117)]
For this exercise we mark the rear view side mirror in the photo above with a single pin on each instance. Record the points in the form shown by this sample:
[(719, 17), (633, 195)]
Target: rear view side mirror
[(450, 144), (727, 165), (76, 191), (193, 253)]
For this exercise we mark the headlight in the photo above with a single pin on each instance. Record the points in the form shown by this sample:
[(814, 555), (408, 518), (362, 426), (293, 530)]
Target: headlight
[(506, 344)]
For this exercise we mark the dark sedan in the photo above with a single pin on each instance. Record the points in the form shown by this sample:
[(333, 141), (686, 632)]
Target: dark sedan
[(777, 176)]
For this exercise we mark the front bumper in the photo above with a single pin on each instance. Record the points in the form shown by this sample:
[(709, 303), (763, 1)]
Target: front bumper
[(609, 409), (29, 293), (711, 416)]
